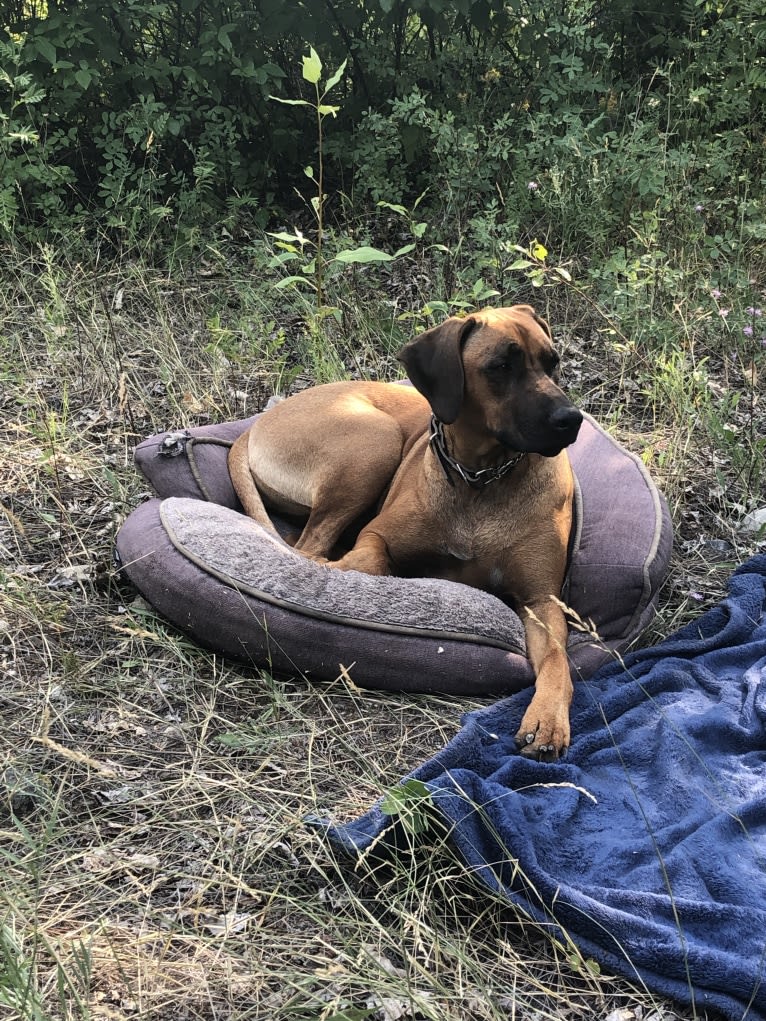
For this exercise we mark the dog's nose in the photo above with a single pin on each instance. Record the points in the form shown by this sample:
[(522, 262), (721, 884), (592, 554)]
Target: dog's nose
[(567, 420)]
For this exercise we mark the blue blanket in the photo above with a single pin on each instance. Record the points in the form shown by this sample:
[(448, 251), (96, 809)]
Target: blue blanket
[(647, 844)]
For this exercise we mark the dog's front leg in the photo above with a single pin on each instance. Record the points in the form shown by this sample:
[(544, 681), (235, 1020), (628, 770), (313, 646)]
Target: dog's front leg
[(544, 730), (370, 555)]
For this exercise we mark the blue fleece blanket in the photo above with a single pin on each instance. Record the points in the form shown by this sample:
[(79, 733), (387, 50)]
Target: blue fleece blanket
[(647, 844)]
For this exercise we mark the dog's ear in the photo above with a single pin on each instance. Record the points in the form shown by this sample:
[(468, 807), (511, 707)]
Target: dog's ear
[(544, 323), (434, 363), (529, 311)]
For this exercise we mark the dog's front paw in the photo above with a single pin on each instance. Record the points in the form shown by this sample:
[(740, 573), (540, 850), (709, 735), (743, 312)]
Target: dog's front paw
[(544, 731), (317, 559)]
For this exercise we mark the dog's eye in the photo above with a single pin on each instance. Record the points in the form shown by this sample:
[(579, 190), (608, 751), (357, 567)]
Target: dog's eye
[(506, 362), (551, 366)]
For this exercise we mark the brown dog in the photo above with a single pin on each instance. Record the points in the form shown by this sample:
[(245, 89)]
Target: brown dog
[(479, 489)]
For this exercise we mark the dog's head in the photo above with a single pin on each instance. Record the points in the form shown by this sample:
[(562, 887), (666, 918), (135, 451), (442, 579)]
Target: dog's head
[(496, 371)]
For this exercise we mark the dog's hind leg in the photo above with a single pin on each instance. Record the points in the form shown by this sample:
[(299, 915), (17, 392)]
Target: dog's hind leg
[(244, 485)]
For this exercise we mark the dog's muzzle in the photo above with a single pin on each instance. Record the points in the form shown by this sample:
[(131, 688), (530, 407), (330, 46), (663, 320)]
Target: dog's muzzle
[(560, 430), (565, 424)]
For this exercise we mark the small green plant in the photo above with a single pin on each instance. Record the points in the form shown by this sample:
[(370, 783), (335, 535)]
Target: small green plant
[(18, 991), (409, 803), (18, 92), (533, 260), (296, 245)]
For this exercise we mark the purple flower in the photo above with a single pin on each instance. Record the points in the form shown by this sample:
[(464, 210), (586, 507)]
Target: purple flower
[(748, 331), (699, 208), (723, 312), (533, 186), (754, 312), (715, 293)]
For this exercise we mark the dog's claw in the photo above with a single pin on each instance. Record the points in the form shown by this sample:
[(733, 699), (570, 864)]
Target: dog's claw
[(548, 752)]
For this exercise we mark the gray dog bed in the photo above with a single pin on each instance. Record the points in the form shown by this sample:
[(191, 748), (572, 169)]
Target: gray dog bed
[(222, 579)]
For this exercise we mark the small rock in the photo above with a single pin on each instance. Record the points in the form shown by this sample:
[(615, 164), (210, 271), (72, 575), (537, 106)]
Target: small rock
[(755, 521)]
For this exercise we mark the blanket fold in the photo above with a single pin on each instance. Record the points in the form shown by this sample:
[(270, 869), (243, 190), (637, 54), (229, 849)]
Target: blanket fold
[(647, 844)]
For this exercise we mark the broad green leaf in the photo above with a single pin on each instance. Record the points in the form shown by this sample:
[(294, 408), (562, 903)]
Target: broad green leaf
[(272, 70), (284, 236), (324, 109), (223, 36), (46, 49), (82, 78), (405, 250), (363, 254), (520, 264), (309, 172), (312, 67), (408, 801), (290, 281), (401, 210), (563, 273), (333, 81)]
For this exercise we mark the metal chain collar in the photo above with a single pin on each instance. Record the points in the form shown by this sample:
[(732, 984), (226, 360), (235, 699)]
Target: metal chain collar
[(481, 477)]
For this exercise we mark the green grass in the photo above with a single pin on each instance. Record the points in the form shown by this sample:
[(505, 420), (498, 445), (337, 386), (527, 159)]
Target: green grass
[(155, 862)]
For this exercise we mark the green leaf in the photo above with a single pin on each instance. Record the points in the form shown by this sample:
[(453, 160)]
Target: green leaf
[(408, 801), (520, 264), (284, 236), (401, 210), (563, 273), (324, 109), (309, 172), (351, 1014), (82, 78), (333, 81), (272, 70), (291, 281), (363, 254), (312, 67), (46, 49), (405, 250), (291, 102), (223, 36)]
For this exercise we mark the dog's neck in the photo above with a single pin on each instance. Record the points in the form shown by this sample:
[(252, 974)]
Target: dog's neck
[(474, 477)]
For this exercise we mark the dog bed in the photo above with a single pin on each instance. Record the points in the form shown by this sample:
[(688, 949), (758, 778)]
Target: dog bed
[(220, 578)]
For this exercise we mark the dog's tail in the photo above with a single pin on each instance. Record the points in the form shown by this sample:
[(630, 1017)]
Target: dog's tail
[(244, 485)]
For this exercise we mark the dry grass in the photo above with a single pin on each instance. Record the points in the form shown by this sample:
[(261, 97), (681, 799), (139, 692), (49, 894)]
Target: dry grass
[(155, 859)]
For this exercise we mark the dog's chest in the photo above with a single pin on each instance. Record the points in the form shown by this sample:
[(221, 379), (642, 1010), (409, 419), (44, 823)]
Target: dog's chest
[(479, 539)]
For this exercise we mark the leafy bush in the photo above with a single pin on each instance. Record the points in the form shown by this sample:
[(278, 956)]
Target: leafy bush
[(596, 126)]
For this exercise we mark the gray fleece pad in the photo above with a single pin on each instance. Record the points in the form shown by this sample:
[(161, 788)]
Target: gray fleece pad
[(242, 554)]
